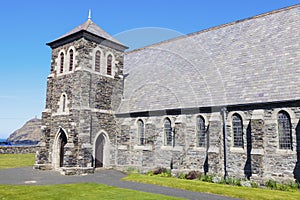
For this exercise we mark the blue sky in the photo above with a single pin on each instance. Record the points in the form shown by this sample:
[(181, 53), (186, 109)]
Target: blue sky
[(27, 25)]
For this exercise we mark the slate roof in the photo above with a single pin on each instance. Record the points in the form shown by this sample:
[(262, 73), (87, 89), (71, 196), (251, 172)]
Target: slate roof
[(90, 27), (249, 61)]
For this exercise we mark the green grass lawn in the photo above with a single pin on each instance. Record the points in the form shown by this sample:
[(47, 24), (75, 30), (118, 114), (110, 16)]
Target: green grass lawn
[(75, 191), (226, 190), (63, 191), (98, 191), (16, 160)]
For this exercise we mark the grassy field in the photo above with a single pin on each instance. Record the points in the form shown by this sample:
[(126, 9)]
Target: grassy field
[(63, 191), (16, 160), (75, 191), (226, 190), (98, 191)]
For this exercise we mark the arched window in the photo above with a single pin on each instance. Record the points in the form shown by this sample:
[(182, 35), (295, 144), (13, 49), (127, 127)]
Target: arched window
[(284, 130), (201, 135), (237, 127), (71, 60), (62, 60), (97, 61), (109, 65), (168, 132), (141, 132), (64, 103)]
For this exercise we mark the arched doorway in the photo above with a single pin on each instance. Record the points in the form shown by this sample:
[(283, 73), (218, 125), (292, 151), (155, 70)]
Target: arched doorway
[(99, 151), (58, 149)]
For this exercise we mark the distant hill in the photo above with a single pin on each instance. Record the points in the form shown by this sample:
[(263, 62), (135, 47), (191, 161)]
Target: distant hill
[(30, 133)]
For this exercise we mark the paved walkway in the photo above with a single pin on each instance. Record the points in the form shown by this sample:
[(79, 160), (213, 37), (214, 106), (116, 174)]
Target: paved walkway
[(29, 176)]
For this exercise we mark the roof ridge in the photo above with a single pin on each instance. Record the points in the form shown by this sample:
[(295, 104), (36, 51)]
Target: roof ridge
[(87, 24), (216, 27)]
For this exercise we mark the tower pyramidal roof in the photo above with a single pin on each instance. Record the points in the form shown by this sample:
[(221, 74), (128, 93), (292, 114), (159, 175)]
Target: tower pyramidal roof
[(90, 27)]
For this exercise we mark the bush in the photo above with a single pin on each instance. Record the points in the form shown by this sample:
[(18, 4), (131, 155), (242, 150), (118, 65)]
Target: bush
[(167, 173), (294, 185), (290, 186), (254, 184), (192, 175), (205, 177), (159, 170), (271, 184), (181, 176), (233, 181), (150, 173)]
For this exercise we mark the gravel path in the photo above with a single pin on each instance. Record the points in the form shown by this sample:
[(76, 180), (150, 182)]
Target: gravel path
[(29, 176)]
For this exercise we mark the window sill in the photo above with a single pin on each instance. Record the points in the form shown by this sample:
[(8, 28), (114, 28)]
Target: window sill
[(257, 152), (285, 151), (144, 148), (237, 150), (199, 148), (171, 148), (108, 76)]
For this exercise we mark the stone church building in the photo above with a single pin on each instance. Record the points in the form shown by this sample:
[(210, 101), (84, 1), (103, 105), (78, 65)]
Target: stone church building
[(225, 101)]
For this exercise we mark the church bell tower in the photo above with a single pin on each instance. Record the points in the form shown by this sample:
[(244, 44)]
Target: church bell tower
[(84, 89)]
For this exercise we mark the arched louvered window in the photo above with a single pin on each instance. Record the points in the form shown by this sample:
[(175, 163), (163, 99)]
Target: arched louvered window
[(64, 103), (284, 130), (71, 63), (201, 134), (109, 65), (237, 127), (62, 60), (168, 132), (141, 132), (97, 61)]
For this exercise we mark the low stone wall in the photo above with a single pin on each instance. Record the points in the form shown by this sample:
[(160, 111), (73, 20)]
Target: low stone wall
[(18, 149)]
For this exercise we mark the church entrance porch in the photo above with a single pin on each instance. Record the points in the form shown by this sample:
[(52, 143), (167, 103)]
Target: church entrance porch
[(101, 150), (58, 149)]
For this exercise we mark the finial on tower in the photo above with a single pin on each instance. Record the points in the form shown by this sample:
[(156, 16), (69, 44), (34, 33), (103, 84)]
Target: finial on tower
[(90, 14)]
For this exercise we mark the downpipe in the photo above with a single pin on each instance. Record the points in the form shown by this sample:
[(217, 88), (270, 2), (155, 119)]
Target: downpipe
[(223, 111)]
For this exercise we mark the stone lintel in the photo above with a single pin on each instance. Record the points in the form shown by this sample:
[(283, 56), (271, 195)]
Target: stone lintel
[(257, 152)]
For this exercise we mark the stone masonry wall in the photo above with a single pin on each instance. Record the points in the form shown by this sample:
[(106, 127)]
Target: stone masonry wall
[(260, 157), (18, 149), (91, 97)]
